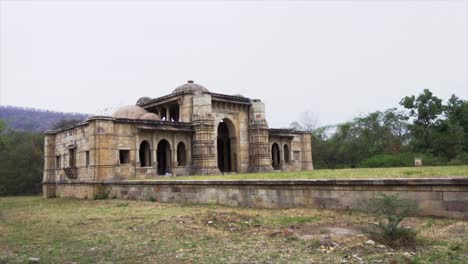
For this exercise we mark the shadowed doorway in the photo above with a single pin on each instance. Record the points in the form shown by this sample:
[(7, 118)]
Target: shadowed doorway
[(145, 154), (275, 156), (163, 156), (226, 146)]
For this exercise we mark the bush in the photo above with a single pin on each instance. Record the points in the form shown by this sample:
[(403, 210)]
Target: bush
[(389, 211), (430, 160), (461, 159), (387, 160)]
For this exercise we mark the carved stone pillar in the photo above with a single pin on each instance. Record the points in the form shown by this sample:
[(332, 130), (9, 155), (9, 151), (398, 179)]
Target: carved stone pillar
[(204, 152), (259, 146), (204, 137)]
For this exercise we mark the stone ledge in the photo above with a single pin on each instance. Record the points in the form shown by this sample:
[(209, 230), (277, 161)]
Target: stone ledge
[(462, 181)]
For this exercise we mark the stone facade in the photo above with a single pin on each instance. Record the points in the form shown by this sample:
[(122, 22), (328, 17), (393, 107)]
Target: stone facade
[(190, 131)]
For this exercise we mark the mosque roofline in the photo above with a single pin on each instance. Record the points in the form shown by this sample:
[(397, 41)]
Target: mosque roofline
[(147, 124), (285, 131), (215, 96)]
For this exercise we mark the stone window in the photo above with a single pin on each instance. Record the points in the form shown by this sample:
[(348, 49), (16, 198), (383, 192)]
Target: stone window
[(124, 156), (297, 154), (57, 162), (87, 158), (72, 158)]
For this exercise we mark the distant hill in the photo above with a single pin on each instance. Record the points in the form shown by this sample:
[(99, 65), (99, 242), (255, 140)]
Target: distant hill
[(34, 120)]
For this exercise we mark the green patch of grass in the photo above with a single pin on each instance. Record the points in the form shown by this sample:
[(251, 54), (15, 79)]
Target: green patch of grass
[(404, 172)]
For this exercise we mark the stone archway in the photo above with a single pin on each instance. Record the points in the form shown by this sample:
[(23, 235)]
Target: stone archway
[(226, 146), (275, 157), (163, 156), (145, 154)]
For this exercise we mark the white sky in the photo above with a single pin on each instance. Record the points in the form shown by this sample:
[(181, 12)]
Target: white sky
[(337, 59)]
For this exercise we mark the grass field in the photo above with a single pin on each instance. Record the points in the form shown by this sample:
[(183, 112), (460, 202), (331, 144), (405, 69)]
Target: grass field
[(119, 231), (405, 172)]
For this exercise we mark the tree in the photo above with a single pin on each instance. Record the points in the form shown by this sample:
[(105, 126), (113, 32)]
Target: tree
[(438, 129), (451, 134), (363, 137), (21, 162), (425, 110), (457, 115)]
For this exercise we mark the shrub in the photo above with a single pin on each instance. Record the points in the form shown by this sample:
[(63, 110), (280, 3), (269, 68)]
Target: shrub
[(387, 160), (461, 159), (389, 211), (430, 160)]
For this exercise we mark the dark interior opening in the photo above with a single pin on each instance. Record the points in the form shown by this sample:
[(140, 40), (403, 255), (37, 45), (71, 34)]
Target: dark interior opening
[(224, 148), (286, 153), (145, 154), (275, 156), (164, 157), (124, 156), (181, 154)]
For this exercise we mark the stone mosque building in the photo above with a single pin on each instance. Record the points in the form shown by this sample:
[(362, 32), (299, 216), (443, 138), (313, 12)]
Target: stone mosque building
[(191, 131)]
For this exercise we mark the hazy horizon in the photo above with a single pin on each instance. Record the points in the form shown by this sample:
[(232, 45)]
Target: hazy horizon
[(336, 59)]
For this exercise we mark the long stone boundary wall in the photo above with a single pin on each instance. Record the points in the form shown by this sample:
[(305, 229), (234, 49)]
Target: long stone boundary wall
[(446, 197)]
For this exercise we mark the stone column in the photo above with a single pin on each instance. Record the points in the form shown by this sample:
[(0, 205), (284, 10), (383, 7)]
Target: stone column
[(259, 146), (106, 149), (306, 150), (168, 114), (204, 136), (48, 187)]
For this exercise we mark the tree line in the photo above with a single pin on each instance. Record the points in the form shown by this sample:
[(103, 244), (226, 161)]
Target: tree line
[(21, 161), (423, 127), (22, 158), (34, 120)]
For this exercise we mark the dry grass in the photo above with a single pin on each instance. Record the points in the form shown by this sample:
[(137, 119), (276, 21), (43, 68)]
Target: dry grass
[(116, 231)]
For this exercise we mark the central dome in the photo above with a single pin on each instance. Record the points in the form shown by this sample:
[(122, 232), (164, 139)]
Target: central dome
[(135, 112), (190, 86)]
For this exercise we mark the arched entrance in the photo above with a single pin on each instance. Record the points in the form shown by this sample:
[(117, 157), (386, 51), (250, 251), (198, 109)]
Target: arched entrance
[(145, 154), (226, 146), (275, 156), (163, 156)]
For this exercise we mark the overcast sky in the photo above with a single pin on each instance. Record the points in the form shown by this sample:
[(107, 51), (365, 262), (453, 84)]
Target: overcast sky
[(337, 59)]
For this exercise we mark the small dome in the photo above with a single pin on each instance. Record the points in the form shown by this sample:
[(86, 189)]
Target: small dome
[(150, 116), (190, 86), (143, 99), (130, 112)]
